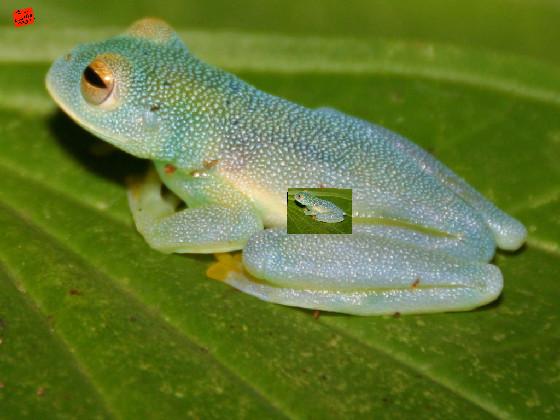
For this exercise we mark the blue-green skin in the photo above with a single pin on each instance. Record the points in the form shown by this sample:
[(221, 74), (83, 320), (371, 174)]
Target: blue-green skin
[(322, 210), (422, 237)]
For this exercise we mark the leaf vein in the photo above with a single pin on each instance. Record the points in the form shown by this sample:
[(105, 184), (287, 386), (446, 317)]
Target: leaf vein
[(64, 345), (452, 388)]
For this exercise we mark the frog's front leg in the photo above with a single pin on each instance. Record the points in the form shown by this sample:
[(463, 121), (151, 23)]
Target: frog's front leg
[(215, 227), (309, 212), (361, 274)]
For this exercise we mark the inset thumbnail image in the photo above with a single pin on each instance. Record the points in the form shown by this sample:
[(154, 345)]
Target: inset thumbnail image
[(319, 210)]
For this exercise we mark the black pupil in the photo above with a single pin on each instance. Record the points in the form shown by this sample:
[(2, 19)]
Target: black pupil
[(93, 78)]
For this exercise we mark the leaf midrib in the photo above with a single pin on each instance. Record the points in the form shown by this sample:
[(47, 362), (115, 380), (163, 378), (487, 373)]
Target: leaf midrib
[(265, 53)]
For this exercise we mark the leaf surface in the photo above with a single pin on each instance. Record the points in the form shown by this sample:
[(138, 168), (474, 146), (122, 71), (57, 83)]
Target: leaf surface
[(93, 323)]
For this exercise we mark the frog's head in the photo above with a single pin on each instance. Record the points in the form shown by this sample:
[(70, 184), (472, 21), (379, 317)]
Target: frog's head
[(126, 89), (303, 197)]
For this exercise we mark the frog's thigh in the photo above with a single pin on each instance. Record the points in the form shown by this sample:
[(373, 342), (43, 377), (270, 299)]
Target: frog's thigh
[(197, 230), (362, 274), (330, 217)]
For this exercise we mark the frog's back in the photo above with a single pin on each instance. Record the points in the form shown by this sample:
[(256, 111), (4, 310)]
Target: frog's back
[(326, 206), (283, 145)]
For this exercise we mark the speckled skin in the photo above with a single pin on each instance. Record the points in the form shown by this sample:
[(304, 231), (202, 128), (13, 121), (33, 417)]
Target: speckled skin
[(321, 210), (422, 237)]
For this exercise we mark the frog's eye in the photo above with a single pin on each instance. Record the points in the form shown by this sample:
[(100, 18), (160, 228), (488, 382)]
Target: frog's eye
[(97, 82)]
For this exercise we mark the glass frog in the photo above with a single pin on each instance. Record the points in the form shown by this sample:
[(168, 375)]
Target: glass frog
[(321, 210), (422, 238)]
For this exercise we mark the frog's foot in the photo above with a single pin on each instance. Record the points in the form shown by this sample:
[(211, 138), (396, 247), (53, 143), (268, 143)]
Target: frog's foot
[(330, 217), (194, 230), (508, 232), (225, 264), (147, 202), (309, 212), (362, 274)]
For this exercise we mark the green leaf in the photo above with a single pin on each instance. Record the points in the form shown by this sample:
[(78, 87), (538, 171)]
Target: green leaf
[(95, 324)]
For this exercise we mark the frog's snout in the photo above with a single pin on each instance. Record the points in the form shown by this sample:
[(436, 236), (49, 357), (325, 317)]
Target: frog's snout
[(50, 78), (60, 80)]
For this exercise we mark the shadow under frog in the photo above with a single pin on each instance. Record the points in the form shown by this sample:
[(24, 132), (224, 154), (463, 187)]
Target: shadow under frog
[(94, 154)]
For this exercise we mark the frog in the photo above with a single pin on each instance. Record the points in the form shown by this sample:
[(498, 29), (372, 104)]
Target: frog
[(422, 239), (321, 210)]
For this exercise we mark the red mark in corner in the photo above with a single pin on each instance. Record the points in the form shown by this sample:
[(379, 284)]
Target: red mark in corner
[(24, 17)]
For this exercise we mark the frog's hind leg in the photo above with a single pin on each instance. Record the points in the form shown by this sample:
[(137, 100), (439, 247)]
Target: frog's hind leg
[(508, 233), (329, 217), (361, 274)]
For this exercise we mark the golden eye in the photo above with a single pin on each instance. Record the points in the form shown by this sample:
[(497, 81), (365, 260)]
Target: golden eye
[(97, 82)]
